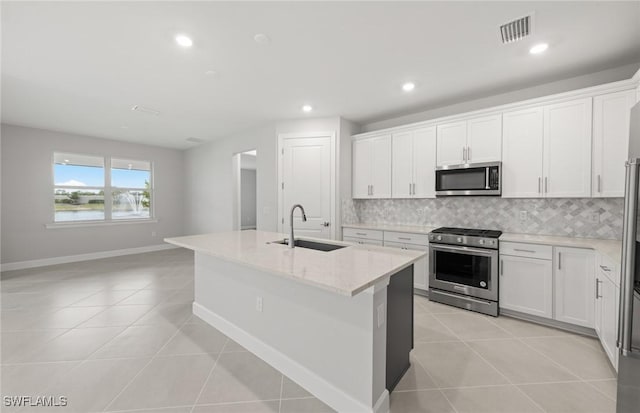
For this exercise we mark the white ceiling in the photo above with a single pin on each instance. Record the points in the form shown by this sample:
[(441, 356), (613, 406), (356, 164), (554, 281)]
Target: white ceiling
[(81, 66)]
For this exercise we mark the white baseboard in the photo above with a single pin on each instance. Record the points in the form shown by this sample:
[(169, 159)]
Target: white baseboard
[(323, 390), (21, 265)]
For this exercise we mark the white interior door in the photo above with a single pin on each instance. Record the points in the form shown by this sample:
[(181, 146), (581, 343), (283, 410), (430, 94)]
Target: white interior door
[(307, 181)]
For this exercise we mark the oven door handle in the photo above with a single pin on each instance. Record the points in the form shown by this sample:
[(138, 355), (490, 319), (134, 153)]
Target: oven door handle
[(469, 250)]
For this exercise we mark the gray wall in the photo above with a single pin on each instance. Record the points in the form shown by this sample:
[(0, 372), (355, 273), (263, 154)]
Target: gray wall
[(455, 106), (209, 173), (27, 196), (209, 187), (247, 198)]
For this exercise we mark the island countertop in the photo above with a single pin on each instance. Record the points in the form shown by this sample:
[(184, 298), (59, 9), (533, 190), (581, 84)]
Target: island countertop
[(346, 271)]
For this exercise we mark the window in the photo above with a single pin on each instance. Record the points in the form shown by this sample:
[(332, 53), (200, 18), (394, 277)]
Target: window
[(84, 190), (131, 188)]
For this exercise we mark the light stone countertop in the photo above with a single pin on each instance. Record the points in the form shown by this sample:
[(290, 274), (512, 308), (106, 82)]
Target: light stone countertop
[(346, 271), (415, 229), (612, 249)]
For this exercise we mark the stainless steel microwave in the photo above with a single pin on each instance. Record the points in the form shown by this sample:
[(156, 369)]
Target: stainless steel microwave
[(474, 179)]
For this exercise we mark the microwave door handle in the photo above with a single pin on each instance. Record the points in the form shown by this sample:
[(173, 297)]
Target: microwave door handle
[(486, 178)]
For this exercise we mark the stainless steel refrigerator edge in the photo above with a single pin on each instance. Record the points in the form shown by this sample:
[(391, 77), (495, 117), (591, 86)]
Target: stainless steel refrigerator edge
[(628, 399)]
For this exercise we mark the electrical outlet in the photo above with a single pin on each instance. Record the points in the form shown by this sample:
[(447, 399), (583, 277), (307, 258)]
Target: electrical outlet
[(259, 304), (594, 217), (524, 215), (381, 315)]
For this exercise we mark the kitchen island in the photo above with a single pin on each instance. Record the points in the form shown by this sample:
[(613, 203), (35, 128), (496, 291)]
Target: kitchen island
[(339, 323)]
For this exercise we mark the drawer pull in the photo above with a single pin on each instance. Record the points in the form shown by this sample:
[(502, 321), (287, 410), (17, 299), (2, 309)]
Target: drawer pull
[(361, 233), (605, 268), (405, 238), (521, 250)]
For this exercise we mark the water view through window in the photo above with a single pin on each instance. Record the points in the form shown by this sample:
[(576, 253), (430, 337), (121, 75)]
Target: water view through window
[(83, 192)]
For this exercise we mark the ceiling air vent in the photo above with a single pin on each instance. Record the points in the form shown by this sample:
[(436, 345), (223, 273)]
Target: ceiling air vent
[(516, 30)]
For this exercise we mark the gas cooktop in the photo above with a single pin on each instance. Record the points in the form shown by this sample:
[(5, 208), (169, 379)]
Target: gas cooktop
[(468, 232)]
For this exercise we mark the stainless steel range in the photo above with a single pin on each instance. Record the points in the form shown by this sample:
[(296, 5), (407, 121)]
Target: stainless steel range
[(463, 268)]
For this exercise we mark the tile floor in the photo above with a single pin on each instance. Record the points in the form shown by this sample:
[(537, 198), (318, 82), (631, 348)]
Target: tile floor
[(117, 335)]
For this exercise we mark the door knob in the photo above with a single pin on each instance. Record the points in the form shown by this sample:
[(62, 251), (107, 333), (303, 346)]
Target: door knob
[(324, 224)]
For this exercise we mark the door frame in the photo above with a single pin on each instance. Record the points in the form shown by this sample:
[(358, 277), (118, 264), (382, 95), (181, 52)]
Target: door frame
[(332, 180)]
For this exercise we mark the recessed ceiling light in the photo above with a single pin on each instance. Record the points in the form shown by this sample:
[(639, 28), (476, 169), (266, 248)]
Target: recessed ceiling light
[(307, 108), (539, 48), (184, 41), (408, 87), (261, 38)]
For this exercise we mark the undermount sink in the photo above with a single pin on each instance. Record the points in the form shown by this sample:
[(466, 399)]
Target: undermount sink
[(312, 245)]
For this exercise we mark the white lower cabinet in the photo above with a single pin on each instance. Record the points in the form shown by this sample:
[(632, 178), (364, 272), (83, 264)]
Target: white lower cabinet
[(549, 282), (526, 285), (420, 268), (392, 239), (363, 241), (574, 293), (606, 311)]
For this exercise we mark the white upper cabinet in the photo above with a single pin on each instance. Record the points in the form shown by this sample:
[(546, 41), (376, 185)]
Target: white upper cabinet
[(371, 167), (567, 149), (470, 141), (522, 153), (484, 139), (424, 163), (452, 143), (402, 165), (611, 142), (413, 165)]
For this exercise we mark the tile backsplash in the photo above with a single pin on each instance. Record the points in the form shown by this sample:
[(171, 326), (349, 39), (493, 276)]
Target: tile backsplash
[(575, 217)]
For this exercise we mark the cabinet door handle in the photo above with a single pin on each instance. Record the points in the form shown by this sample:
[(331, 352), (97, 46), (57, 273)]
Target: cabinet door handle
[(410, 192), (546, 185), (468, 153), (540, 184), (414, 188), (464, 154), (599, 185), (598, 289), (521, 250), (371, 189), (501, 267), (605, 268), (559, 260)]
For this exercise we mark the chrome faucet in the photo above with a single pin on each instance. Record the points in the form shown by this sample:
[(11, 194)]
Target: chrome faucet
[(304, 219)]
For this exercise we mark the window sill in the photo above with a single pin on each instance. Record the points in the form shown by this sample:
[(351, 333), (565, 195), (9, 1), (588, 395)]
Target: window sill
[(80, 224)]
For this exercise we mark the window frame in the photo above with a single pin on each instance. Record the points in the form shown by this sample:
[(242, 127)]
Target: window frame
[(108, 190)]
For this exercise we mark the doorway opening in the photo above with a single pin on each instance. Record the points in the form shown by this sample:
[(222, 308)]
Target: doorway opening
[(245, 167)]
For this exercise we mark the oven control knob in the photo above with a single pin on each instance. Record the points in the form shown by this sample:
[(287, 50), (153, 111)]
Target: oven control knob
[(483, 284), (481, 242), (459, 239), (439, 238)]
